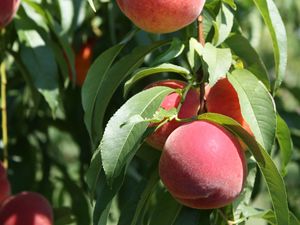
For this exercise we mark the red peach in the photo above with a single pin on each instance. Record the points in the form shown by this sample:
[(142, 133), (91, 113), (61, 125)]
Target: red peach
[(83, 60), (223, 99), (161, 16), (8, 10), (4, 184), (26, 208), (188, 109), (203, 165)]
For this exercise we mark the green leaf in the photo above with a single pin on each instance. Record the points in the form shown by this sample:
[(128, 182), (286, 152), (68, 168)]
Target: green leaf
[(70, 14), (294, 220), (223, 24), (105, 195), (218, 61), (39, 60), (245, 196), (268, 215), (231, 3), (91, 2), (174, 51), (192, 57), (138, 203), (257, 106), (274, 181), (241, 47), (166, 210), (92, 85), (163, 68), (277, 30), (93, 173), (106, 83), (207, 22), (162, 114), (189, 216), (284, 139), (121, 139), (80, 204)]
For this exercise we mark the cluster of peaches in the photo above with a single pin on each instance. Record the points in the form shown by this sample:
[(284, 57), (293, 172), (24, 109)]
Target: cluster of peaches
[(28, 208), (202, 164)]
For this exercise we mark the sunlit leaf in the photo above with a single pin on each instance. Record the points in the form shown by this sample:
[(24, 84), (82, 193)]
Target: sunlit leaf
[(257, 106), (283, 136), (277, 30), (126, 136)]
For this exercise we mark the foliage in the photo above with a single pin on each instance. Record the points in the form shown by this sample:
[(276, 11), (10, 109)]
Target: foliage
[(83, 147)]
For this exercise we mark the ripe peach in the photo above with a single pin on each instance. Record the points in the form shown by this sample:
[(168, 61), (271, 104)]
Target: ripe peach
[(203, 165), (83, 60), (223, 99), (4, 184), (8, 10), (188, 109), (26, 208), (161, 16)]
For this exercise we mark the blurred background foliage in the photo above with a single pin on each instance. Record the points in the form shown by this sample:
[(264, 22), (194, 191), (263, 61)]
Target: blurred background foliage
[(49, 148)]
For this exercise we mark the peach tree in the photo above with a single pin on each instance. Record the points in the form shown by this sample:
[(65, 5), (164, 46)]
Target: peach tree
[(157, 112)]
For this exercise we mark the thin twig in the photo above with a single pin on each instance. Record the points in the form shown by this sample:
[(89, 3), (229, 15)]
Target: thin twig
[(201, 40), (4, 115)]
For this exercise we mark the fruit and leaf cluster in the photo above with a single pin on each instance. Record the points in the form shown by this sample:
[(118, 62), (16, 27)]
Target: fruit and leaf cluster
[(209, 108), (179, 108)]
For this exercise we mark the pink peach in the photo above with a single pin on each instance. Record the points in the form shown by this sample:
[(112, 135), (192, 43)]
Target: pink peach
[(203, 165), (223, 99), (8, 10), (26, 208), (161, 16)]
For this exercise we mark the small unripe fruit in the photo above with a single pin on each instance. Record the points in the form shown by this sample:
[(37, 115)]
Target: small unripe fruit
[(4, 184), (26, 208), (8, 9), (161, 16), (188, 109), (223, 99), (203, 165)]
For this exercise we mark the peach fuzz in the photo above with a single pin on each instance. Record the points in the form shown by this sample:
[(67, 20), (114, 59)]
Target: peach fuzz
[(4, 184), (8, 10), (161, 16), (26, 208), (223, 99), (188, 109), (203, 165)]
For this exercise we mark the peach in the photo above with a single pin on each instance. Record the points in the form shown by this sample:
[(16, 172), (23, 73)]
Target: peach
[(188, 109), (4, 184), (8, 10), (83, 60), (161, 16), (203, 165), (223, 99), (26, 208)]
